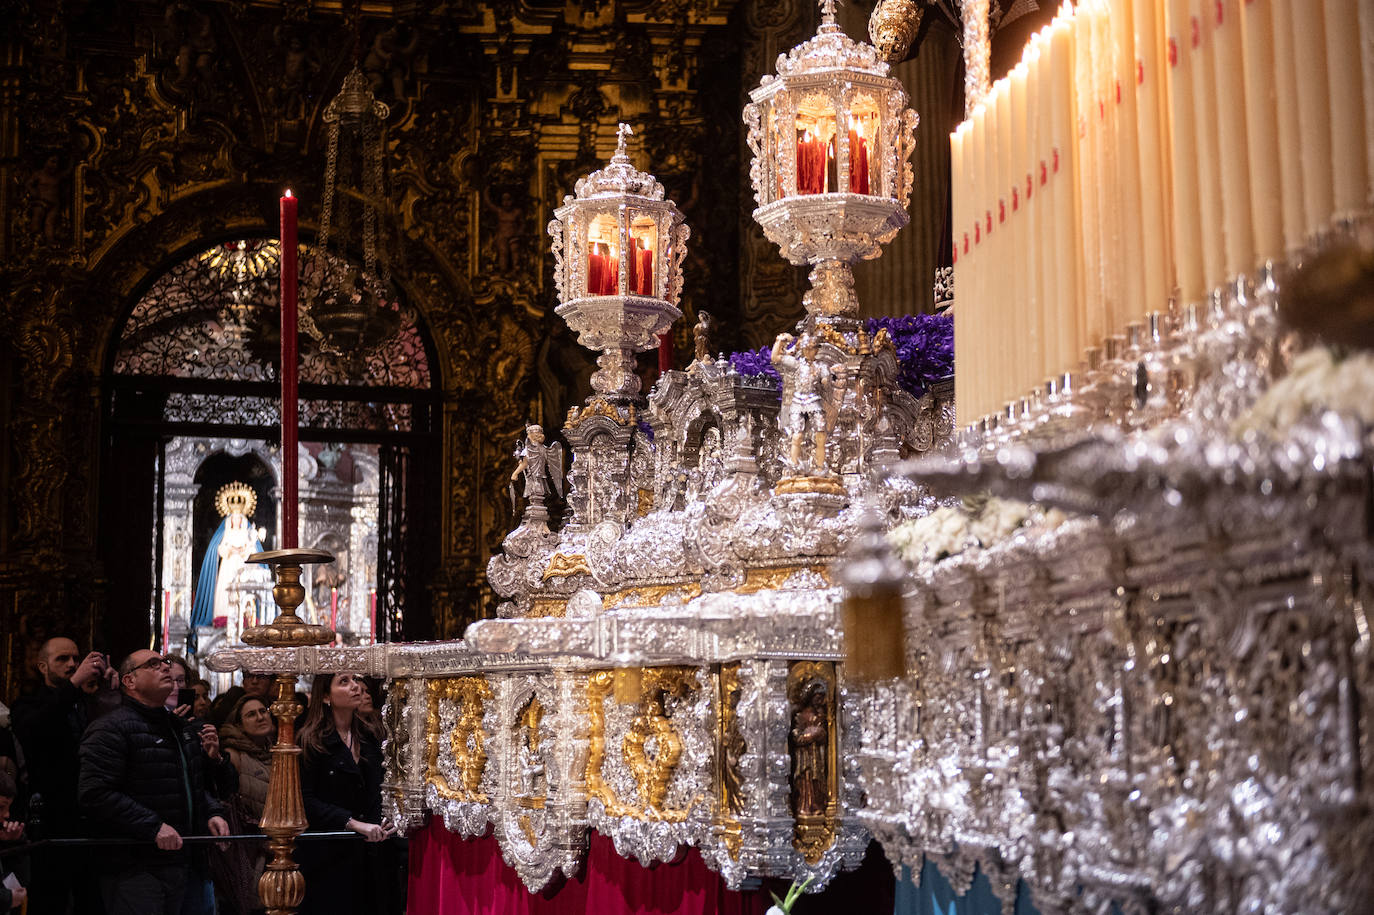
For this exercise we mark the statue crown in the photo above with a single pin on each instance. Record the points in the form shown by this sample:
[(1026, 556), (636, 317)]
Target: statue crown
[(236, 497)]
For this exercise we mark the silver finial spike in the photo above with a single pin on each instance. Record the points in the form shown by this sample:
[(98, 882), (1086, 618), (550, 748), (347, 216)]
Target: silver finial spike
[(827, 12)]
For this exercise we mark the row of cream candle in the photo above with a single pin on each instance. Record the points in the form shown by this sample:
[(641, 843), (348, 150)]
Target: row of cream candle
[(1172, 118)]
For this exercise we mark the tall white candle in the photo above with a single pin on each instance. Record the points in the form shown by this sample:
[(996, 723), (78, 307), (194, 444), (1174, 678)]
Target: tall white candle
[(1314, 114), (1345, 79), (1261, 128), (1228, 69), (1063, 181), (1366, 29), (1089, 180), (1041, 208), (958, 202), (1290, 136), (1152, 130), (1006, 357), (1201, 52), (1027, 324), (1126, 97), (1187, 212)]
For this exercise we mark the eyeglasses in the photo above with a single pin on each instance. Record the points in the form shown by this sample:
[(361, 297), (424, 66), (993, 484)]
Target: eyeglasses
[(154, 664)]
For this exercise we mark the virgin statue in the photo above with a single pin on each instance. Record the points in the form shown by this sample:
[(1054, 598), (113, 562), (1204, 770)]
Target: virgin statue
[(233, 542)]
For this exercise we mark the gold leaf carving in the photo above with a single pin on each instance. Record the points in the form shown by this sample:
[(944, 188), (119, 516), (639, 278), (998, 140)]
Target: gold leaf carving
[(467, 742), (770, 579), (652, 773), (564, 565)]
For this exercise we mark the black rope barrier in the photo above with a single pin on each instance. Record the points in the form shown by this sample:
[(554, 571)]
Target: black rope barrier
[(94, 842)]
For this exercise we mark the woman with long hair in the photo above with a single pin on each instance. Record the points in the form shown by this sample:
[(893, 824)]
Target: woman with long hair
[(247, 738), (341, 782)]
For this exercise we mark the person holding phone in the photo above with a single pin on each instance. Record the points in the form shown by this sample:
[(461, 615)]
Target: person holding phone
[(220, 778), (341, 782)]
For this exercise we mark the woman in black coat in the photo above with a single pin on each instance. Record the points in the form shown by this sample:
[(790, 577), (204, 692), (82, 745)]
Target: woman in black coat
[(341, 781)]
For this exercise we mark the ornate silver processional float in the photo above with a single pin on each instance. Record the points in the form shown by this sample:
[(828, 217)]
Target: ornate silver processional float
[(1127, 660)]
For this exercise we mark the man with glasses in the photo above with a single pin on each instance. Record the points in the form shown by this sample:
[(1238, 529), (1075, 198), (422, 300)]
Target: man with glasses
[(141, 778)]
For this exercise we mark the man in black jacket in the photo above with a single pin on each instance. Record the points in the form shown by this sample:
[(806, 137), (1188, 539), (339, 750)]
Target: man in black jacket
[(48, 724), (141, 779)]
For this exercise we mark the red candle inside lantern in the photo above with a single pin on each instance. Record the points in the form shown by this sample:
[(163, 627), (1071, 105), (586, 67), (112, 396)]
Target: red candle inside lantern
[(372, 614), (641, 270), (603, 270), (811, 164), (166, 620), (858, 162), (334, 609)]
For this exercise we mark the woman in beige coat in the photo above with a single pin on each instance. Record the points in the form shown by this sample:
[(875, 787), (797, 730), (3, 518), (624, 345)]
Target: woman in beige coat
[(247, 736)]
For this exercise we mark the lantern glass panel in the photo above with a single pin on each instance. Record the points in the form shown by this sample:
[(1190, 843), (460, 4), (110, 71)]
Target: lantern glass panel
[(643, 255), (603, 255), (815, 130), (864, 173), (772, 152)]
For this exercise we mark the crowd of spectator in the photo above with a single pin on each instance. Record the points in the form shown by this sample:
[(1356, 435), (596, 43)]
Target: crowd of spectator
[(106, 770)]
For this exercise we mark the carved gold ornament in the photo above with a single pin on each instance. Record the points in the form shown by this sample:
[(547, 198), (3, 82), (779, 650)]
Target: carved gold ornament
[(809, 484), (893, 27), (467, 742), (565, 565), (651, 764), (652, 595), (771, 579)]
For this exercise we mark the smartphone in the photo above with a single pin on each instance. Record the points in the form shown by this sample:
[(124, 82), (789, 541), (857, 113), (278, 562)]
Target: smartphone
[(186, 696)]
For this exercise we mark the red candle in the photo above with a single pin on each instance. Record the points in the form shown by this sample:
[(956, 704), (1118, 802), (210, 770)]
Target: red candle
[(372, 614), (596, 267), (641, 270), (811, 165), (611, 284), (334, 609), (665, 352), (288, 372), (858, 163), (166, 619)]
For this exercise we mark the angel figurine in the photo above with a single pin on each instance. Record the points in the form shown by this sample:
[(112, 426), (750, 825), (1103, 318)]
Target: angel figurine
[(540, 464), (817, 389)]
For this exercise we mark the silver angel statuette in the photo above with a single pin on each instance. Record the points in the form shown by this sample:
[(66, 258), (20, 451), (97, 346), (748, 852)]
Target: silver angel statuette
[(541, 464)]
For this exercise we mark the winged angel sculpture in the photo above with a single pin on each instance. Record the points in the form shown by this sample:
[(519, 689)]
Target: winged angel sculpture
[(541, 464)]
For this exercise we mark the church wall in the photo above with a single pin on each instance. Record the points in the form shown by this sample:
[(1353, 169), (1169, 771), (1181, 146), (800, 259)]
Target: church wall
[(128, 137)]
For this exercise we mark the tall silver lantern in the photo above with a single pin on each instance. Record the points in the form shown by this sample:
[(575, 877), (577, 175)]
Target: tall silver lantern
[(831, 135), (618, 247)]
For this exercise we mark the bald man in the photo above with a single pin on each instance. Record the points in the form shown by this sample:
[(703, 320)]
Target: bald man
[(48, 724)]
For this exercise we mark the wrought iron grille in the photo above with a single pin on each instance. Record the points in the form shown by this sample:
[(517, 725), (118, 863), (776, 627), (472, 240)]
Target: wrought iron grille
[(215, 315)]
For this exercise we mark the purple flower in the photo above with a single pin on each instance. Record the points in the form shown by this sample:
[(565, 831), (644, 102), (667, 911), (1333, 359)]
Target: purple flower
[(756, 364), (925, 348), (647, 429)]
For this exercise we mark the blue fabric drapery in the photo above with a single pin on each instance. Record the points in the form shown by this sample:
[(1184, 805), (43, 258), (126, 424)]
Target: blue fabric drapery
[(203, 608), (936, 897)]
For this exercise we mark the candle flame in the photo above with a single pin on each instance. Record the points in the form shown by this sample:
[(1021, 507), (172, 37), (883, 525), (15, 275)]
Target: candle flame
[(288, 192)]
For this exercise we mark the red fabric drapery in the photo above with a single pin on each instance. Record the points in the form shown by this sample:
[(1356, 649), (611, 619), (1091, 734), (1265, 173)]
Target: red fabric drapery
[(450, 875)]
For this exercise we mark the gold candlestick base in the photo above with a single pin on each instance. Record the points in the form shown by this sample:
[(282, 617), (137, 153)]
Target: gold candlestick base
[(282, 887)]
